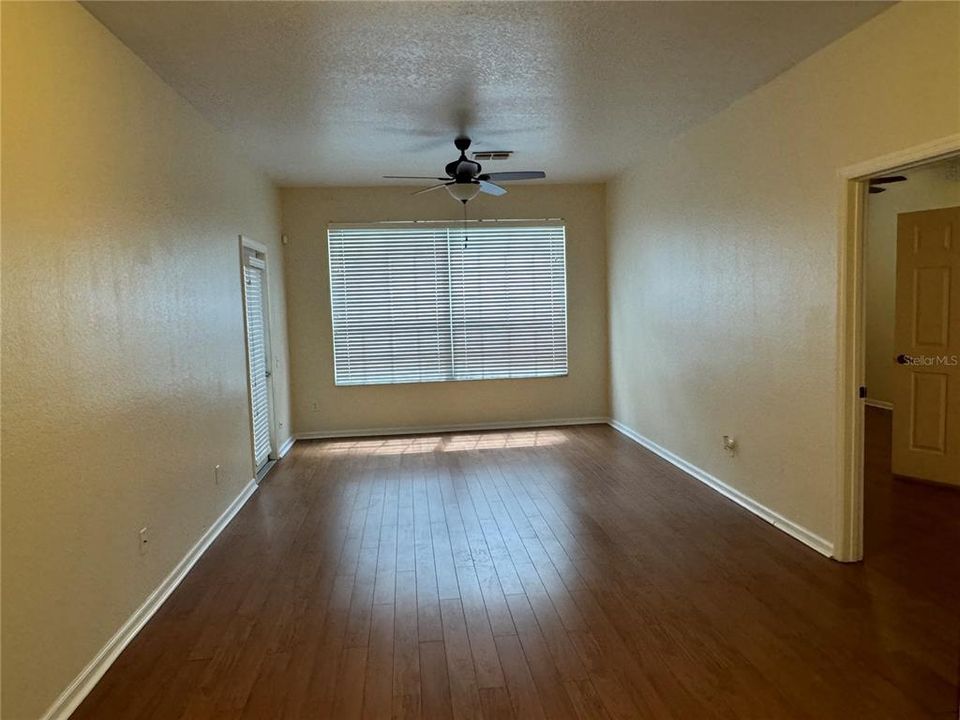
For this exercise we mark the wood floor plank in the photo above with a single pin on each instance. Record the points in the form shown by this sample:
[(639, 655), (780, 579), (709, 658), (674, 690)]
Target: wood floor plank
[(428, 597), (546, 573), (546, 672), (494, 599), (495, 704), (482, 645), (464, 697), (348, 701), (320, 691), (268, 694), (378, 685), (406, 649), (434, 681), (586, 700), (524, 697)]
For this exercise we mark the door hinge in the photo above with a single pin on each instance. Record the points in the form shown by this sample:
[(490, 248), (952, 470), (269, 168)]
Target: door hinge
[(863, 391)]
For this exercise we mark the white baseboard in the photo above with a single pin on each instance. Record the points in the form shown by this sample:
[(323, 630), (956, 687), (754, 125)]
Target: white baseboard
[(427, 429), (74, 694), (882, 404), (285, 447), (821, 545)]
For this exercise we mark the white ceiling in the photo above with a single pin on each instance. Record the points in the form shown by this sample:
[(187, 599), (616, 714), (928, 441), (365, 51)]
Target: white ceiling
[(340, 93)]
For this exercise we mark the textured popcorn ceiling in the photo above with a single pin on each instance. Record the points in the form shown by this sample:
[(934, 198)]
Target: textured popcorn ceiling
[(341, 93)]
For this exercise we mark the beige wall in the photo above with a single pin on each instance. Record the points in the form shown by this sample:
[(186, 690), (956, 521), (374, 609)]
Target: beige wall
[(929, 187), (123, 370), (723, 259), (306, 213)]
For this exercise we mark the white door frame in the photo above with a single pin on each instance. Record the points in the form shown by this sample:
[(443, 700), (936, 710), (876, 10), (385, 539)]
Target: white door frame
[(848, 521), (261, 250)]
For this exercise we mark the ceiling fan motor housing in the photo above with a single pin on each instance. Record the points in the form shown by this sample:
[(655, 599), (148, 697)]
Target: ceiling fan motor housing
[(463, 170)]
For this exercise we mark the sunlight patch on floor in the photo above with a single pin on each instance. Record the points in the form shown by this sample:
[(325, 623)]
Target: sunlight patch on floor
[(446, 443)]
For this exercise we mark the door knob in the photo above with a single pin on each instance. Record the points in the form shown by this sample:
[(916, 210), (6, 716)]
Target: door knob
[(904, 359)]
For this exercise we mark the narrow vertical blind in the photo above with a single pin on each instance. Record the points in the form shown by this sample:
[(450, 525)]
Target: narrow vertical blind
[(435, 302), (257, 358)]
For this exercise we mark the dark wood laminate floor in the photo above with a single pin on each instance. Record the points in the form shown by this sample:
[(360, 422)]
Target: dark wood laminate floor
[(556, 573)]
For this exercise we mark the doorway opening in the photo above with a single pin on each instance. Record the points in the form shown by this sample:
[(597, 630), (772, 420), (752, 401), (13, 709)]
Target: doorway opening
[(852, 322), (257, 334), (911, 461), (899, 386)]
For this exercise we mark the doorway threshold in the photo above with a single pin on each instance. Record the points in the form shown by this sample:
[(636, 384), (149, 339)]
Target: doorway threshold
[(265, 470)]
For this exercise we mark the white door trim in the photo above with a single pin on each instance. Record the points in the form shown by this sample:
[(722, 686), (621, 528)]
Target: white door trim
[(848, 535)]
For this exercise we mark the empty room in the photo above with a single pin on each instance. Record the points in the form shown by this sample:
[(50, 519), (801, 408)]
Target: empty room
[(467, 359)]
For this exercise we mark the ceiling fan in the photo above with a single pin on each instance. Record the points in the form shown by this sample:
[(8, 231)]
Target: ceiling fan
[(465, 179), (874, 183)]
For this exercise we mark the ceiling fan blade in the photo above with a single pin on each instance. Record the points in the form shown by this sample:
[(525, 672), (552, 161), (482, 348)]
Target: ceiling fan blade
[(887, 179), (874, 190), (508, 176), (432, 187), (490, 189), (412, 177)]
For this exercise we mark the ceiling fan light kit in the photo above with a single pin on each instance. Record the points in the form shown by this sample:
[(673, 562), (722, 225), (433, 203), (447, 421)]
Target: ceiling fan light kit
[(466, 179), (464, 192)]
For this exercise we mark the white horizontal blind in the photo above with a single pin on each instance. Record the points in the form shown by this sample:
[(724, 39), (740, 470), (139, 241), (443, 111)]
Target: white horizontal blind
[(257, 359), (508, 302), (389, 291), (428, 303)]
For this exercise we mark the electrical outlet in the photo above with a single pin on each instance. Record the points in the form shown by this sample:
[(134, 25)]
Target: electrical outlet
[(216, 474), (144, 539), (729, 444)]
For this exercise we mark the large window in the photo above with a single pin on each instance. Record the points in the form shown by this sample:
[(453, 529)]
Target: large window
[(428, 302)]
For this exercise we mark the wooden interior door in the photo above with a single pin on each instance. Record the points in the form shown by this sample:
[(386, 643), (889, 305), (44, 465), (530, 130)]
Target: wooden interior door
[(926, 407)]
